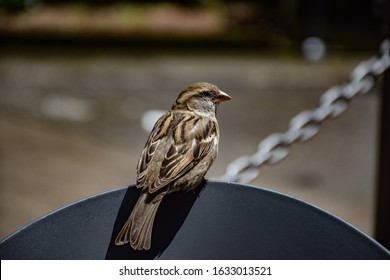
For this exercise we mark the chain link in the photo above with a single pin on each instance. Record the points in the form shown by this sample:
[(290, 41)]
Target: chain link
[(305, 125)]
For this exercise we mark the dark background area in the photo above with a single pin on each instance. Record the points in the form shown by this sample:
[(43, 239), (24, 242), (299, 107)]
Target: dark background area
[(265, 25)]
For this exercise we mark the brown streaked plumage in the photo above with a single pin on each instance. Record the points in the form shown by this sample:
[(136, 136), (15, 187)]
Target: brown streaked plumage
[(179, 151)]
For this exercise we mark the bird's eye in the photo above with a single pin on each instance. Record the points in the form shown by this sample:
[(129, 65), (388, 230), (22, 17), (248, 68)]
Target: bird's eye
[(206, 94)]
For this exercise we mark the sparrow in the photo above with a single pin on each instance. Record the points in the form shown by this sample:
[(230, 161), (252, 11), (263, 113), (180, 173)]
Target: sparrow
[(179, 151)]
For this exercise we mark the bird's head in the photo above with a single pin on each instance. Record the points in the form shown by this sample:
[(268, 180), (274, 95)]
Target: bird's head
[(202, 98)]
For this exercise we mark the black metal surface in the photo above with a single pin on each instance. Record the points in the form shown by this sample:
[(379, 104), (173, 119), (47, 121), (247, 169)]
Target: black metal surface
[(219, 221)]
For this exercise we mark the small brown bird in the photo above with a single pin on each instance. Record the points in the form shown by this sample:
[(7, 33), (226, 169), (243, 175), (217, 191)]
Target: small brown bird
[(180, 149)]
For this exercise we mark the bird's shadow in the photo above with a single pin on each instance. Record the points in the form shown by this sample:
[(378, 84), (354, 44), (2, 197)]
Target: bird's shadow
[(170, 216)]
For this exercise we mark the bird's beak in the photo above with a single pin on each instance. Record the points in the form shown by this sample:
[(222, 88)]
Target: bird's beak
[(222, 96)]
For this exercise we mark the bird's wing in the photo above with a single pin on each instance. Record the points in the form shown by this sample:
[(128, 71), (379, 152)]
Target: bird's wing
[(191, 138), (156, 138)]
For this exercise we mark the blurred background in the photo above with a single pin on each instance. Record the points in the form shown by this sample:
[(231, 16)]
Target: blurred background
[(79, 79)]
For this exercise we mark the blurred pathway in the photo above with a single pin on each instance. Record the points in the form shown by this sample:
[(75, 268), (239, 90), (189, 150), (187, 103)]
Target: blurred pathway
[(70, 127)]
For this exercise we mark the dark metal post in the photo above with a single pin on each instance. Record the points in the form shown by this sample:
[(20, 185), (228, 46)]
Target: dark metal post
[(382, 218), (382, 223)]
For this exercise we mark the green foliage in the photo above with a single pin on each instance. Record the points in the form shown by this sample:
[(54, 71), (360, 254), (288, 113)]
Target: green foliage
[(16, 5), (11, 4)]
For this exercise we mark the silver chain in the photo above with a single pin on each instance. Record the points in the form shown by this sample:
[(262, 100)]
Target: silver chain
[(305, 125)]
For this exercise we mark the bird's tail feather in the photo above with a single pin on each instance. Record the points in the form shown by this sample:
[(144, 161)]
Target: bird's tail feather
[(138, 228)]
